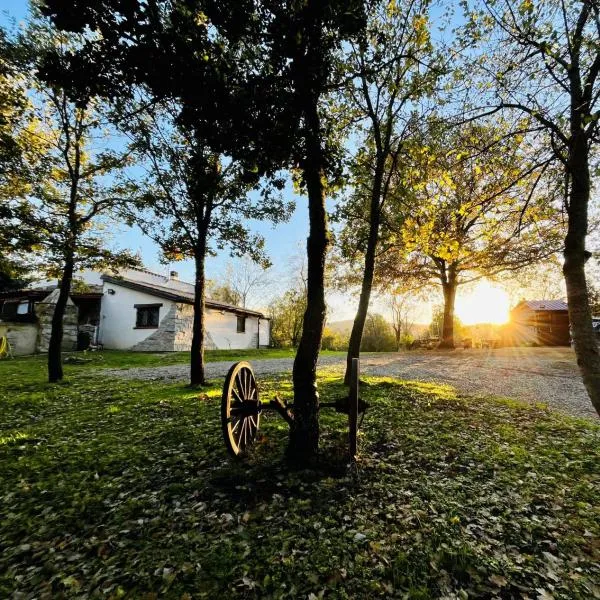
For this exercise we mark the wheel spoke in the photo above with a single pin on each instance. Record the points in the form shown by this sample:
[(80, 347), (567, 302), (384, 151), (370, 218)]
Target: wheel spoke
[(254, 427), (246, 425), (241, 434), (240, 385)]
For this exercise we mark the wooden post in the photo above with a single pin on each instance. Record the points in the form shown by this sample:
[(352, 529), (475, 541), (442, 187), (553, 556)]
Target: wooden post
[(353, 407)]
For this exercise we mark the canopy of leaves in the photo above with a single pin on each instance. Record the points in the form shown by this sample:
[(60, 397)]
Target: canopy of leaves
[(245, 57), (190, 200), (287, 317), (474, 207), (64, 184)]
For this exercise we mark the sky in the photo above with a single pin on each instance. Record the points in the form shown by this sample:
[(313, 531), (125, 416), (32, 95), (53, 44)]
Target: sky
[(284, 244)]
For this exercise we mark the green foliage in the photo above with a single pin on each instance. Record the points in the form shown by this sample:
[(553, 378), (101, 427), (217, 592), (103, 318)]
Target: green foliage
[(378, 335), (194, 201), (333, 340), (123, 489), (437, 323), (65, 189), (14, 274), (407, 340), (287, 318), (394, 70), (223, 293)]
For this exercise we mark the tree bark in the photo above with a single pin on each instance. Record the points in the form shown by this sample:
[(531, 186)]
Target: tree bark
[(367, 283), (197, 376), (304, 433), (55, 370), (580, 315), (449, 288)]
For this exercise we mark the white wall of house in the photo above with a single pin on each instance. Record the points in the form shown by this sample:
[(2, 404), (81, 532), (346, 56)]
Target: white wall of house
[(117, 316), (265, 332), (222, 326)]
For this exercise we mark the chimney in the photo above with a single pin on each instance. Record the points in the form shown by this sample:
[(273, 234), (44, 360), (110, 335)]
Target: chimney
[(174, 275)]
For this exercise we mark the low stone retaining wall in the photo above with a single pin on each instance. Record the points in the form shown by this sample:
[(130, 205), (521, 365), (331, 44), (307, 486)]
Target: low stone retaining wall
[(22, 337)]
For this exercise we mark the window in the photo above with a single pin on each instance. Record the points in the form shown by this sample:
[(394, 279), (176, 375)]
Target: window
[(147, 316), (23, 308), (241, 324), (17, 311)]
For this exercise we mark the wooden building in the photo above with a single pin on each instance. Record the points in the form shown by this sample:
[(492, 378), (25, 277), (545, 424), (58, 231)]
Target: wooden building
[(540, 322)]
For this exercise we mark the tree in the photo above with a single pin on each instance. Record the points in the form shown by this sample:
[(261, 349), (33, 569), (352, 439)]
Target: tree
[(66, 185), (378, 335), (14, 274), (287, 318), (466, 218), (546, 63), (264, 69), (18, 142), (223, 293), (392, 68), (244, 281), (401, 303), (436, 327), (334, 340), (193, 201)]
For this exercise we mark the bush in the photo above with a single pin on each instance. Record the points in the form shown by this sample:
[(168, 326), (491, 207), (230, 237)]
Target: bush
[(332, 340), (378, 335), (407, 340)]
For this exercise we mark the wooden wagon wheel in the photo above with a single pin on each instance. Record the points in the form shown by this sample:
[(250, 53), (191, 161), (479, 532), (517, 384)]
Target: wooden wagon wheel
[(240, 408)]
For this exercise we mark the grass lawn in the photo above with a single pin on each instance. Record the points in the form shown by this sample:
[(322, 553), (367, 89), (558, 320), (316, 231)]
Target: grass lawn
[(114, 489), (116, 359)]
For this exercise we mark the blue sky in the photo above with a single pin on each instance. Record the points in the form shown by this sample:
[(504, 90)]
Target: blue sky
[(283, 243)]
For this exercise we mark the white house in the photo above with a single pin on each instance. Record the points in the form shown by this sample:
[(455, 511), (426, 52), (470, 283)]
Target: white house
[(145, 311)]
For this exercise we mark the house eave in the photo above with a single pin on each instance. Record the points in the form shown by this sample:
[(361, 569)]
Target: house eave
[(177, 297)]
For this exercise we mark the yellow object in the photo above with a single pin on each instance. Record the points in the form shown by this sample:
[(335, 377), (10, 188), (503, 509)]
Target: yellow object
[(5, 349)]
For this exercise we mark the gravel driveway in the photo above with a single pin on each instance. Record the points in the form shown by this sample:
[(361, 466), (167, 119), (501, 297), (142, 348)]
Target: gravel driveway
[(547, 375)]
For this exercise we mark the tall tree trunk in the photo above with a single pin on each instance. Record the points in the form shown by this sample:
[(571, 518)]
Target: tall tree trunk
[(304, 434), (580, 315), (367, 282), (55, 370), (449, 288), (197, 348)]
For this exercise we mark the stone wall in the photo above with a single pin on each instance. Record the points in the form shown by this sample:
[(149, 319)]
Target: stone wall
[(184, 322), (163, 338), (22, 337), (174, 334), (44, 312)]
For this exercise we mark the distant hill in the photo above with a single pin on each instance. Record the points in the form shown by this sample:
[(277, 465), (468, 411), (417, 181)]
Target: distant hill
[(345, 327)]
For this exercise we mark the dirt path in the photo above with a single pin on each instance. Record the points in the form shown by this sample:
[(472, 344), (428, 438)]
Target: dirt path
[(547, 375)]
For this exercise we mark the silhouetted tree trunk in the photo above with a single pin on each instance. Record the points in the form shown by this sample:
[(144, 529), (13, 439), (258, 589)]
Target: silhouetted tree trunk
[(367, 283), (197, 347), (449, 286), (55, 370), (304, 434), (580, 315)]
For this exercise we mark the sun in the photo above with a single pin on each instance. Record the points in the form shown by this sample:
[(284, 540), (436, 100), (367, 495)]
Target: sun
[(485, 303)]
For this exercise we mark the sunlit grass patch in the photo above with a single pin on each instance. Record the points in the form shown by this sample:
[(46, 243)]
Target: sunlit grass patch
[(14, 438)]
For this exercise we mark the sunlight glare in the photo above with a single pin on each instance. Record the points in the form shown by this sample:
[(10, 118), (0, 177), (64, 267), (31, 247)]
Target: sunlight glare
[(485, 303)]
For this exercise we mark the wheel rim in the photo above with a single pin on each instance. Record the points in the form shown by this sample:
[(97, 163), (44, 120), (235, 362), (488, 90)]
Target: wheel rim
[(239, 419)]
